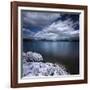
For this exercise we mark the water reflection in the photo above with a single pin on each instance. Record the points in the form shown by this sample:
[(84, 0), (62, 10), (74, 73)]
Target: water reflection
[(60, 48)]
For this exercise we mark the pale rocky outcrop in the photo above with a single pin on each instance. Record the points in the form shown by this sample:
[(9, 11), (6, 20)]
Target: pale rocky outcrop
[(33, 66), (32, 57)]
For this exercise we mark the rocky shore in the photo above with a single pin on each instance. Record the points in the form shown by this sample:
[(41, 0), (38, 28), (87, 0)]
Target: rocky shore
[(34, 65)]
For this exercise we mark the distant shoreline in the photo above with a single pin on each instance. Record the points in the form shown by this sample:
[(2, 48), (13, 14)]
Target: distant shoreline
[(50, 40)]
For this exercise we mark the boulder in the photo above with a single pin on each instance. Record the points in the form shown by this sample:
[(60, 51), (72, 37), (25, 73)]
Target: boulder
[(37, 57), (43, 69), (32, 57)]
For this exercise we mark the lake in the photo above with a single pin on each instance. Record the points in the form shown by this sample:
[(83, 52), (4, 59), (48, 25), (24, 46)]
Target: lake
[(61, 52)]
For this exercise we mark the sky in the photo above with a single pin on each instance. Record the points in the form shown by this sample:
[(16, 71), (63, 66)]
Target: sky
[(40, 25)]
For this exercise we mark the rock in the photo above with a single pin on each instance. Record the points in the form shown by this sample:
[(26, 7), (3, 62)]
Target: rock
[(43, 69), (37, 57), (33, 65), (32, 57), (24, 57), (27, 69), (29, 56)]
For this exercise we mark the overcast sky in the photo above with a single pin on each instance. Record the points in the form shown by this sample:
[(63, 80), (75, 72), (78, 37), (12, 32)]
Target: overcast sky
[(50, 25)]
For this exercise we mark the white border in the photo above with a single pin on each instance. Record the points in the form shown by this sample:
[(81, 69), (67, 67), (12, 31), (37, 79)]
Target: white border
[(81, 58)]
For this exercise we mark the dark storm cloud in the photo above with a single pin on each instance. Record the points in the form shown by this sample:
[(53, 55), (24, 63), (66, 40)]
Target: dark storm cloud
[(38, 19)]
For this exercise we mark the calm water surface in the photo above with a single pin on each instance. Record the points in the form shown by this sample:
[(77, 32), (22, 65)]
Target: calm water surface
[(62, 52)]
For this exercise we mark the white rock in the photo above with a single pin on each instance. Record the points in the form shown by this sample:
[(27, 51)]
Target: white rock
[(37, 57), (26, 69), (42, 69), (33, 66), (29, 56), (32, 57), (24, 57)]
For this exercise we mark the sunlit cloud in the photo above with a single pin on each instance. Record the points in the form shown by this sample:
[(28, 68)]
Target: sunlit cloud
[(58, 30)]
